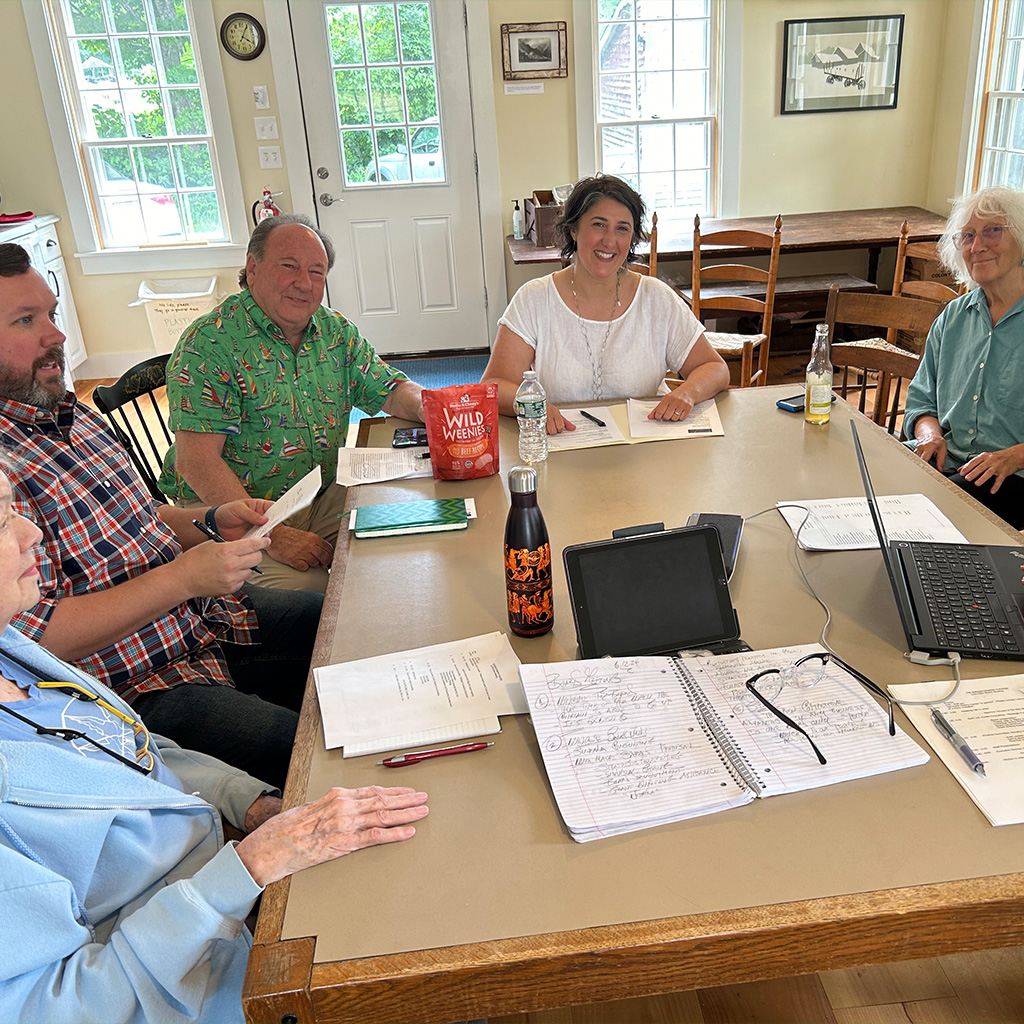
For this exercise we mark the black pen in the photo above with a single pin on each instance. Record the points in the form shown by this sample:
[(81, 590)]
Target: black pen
[(215, 536), (593, 419), (958, 742)]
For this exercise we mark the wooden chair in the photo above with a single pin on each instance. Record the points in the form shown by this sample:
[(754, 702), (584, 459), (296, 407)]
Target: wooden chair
[(131, 422), (891, 363), (719, 297), (650, 268)]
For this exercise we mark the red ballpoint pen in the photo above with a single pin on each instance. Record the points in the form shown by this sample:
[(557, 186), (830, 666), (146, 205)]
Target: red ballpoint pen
[(399, 760)]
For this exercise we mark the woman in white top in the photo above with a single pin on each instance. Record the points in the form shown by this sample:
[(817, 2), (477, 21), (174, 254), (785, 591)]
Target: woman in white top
[(595, 330)]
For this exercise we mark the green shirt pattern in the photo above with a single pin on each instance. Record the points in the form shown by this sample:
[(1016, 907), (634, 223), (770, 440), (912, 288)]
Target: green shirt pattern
[(283, 412)]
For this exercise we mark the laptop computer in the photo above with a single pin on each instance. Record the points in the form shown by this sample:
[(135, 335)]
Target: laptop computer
[(654, 593), (962, 598)]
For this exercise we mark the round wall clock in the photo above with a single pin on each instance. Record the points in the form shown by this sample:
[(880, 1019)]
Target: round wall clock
[(242, 36)]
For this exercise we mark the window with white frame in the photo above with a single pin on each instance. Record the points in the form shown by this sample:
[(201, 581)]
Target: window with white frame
[(133, 85), (656, 102), (1000, 147)]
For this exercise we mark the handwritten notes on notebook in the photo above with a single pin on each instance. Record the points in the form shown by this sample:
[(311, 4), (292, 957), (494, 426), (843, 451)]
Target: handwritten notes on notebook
[(844, 524), (629, 743), (989, 714)]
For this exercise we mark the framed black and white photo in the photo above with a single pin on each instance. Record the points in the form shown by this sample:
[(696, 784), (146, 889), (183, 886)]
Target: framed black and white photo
[(841, 64), (535, 50)]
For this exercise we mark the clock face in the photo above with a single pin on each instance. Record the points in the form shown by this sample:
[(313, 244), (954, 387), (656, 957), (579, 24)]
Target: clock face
[(243, 36)]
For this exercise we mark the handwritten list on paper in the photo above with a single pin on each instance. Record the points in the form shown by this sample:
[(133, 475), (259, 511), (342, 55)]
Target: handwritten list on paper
[(622, 746)]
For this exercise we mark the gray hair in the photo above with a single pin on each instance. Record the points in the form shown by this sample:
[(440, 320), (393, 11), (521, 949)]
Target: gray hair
[(994, 201), (258, 240)]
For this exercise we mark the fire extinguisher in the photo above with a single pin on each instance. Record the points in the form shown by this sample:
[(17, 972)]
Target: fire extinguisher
[(265, 207)]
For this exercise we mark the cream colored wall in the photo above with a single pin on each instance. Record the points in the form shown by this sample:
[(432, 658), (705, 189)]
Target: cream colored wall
[(805, 162)]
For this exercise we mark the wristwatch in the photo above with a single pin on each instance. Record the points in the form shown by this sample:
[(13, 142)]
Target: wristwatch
[(211, 518)]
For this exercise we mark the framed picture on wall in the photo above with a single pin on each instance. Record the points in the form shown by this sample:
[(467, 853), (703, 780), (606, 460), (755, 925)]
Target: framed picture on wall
[(841, 64), (535, 50)]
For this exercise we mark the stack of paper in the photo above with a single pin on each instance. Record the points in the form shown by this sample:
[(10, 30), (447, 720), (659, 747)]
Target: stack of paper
[(441, 693)]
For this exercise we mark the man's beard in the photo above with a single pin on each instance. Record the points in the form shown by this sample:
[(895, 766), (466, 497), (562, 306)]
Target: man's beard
[(28, 390)]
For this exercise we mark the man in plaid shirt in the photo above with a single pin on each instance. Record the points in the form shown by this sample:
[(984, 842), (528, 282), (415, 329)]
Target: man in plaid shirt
[(131, 591)]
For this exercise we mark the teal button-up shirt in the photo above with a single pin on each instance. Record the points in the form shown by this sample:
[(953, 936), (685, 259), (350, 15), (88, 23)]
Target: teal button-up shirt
[(972, 379)]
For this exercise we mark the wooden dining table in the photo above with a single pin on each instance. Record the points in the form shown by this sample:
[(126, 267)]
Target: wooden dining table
[(873, 230)]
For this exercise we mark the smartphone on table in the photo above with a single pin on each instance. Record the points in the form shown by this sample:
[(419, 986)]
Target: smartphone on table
[(795, 404), (410, 437), (729, 529)]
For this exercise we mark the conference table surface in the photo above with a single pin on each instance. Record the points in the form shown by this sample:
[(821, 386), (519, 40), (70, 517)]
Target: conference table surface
[(492, 908), (801, 232)]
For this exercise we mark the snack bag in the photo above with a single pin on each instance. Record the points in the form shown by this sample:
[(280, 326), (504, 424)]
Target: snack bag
[(462, 430)]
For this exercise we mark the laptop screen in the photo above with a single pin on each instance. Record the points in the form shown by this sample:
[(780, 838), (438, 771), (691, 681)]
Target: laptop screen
[(650, 594)]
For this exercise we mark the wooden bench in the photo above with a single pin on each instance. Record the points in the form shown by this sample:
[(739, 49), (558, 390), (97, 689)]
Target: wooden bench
[(792, 294)]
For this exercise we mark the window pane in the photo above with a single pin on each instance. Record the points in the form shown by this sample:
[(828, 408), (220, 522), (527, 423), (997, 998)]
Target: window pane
[(608, 9), (421, 93), (162, 217), (194, 165), (379, 32), (386, 93), (178, 60), (691, 44), (168, 15), (692, 146), (145, 113), (619, 150), (357, 150), (187, 111), (618, 50), (393, 155), (414, 25), (95, 63), (657, 152), (202, 212), (618, 98), (353, 101), (105, 116), (136, 65), (658, 190), (343, 32), (427, 159), (693, 191), (127, 16), (692, 99), (654, 94), (153, 167), (86, 16), (112, 167), (653, 9), (692, 9)]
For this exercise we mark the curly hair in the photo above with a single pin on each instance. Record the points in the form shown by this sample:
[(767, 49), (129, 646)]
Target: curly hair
[(994, 201), (588, 191)]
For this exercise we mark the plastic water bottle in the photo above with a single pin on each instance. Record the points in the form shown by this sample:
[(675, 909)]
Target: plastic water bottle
[(532, 413), (528, 581)]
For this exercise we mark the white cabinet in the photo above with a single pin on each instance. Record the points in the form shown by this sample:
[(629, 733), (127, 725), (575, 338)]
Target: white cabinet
[(39, 238)]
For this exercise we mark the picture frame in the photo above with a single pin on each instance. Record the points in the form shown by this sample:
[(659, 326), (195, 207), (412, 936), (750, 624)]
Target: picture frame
[(534, 50), (832, 64)]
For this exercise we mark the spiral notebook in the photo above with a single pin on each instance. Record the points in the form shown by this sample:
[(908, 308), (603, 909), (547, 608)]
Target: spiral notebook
[(630, 743)]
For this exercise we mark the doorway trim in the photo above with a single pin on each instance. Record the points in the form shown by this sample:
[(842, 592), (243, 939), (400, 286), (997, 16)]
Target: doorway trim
[(485, 138)]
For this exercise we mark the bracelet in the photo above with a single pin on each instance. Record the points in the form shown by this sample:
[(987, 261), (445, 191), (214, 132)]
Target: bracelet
[(211, 517)]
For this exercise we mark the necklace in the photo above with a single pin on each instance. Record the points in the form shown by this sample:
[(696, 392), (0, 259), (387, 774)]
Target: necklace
[(598, 363)]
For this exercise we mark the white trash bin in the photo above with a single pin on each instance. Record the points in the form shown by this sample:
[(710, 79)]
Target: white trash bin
[(172, 305)]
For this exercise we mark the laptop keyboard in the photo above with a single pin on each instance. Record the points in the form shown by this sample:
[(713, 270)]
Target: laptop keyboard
[(961, 595)]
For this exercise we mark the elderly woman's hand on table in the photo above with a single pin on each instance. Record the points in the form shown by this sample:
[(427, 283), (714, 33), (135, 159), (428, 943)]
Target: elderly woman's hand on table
[(340, 822)]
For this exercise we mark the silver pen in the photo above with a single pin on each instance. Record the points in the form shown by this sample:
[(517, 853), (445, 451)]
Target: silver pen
[(971, 759)]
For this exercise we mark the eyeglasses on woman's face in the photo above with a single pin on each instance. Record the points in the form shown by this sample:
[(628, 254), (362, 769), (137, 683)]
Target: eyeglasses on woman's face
[(991, 234)]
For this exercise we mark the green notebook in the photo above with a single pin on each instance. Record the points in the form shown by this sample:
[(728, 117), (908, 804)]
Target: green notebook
[(411, 517)]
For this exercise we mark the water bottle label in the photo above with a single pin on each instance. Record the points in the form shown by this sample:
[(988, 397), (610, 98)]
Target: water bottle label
[(529, 590), (532, 410)]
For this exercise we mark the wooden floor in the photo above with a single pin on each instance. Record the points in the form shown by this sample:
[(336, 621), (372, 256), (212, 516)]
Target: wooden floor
[(969, 988)]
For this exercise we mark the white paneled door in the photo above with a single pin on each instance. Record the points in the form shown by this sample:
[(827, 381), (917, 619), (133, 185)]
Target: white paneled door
[(389, 128)]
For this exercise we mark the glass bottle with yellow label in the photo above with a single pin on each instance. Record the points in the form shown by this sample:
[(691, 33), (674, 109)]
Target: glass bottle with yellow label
[(818, 383)]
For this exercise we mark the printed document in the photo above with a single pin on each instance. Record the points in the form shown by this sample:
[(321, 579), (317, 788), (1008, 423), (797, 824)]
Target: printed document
[(844, 524), (299, 496), (375, 465), (703, 421), (989, 715), (399, 700), (587, 433)]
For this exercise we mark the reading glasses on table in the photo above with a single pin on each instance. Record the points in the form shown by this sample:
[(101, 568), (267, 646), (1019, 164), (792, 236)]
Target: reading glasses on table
[(804, 673)]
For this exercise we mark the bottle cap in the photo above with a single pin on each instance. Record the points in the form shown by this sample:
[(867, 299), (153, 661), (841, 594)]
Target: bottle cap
[(522, 479)]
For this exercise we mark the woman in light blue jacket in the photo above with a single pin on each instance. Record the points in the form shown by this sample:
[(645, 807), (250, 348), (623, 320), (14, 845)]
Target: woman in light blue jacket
[(118, 897)]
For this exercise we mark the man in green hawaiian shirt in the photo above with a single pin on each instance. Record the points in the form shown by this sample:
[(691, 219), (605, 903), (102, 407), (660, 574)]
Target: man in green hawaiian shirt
[(259, 391)]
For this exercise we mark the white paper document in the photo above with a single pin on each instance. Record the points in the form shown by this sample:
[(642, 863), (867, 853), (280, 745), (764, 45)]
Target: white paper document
[(402, 699), (375, 465), (703, 421), (587, 434), (989, 715), (844, 524), (299, 496)]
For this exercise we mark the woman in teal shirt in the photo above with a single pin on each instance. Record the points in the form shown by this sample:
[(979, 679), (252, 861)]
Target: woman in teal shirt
[(965, 406)]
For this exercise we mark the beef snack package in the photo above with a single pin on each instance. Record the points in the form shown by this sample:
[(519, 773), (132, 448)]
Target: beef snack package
[(462, 430)]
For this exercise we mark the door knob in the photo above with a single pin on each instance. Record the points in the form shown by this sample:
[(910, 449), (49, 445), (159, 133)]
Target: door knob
[(326, 199), (322, 172)]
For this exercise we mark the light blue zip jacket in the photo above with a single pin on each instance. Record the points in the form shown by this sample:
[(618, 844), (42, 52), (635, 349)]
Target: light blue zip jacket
[(118, 900)]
